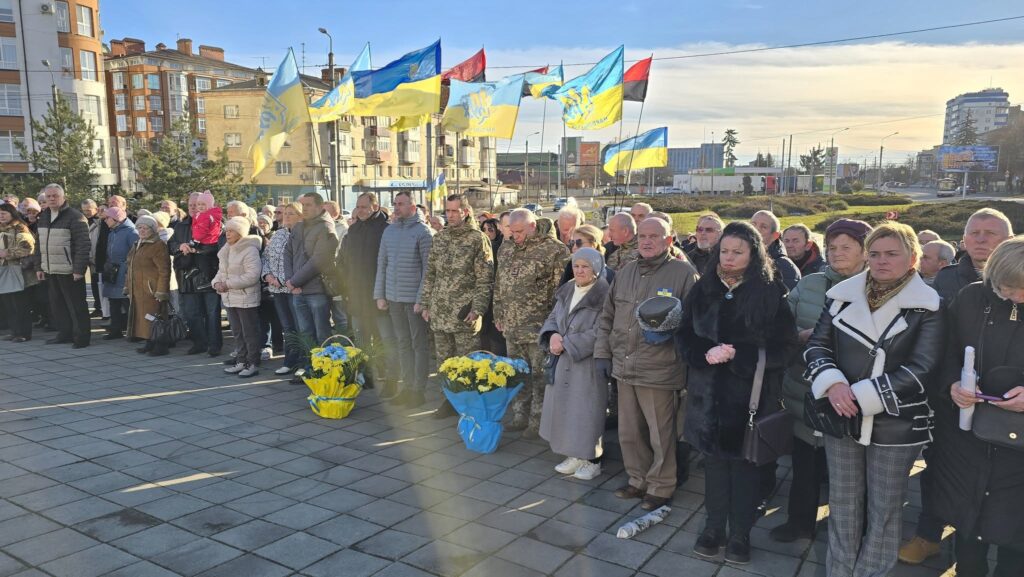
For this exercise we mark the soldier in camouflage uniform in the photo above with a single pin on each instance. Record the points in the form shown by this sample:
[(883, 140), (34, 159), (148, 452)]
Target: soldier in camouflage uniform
[(529, 268), (457, 287), (622, 232)]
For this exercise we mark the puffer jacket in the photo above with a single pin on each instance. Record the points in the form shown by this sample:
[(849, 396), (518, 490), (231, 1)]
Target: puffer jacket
[(402, 261), (807, 301), (20, 244), (787, 270), (889, 384), (273, 259), (240, 268), (619, 336), (312, 247), (120, 241), (460, 272), (64, 243)]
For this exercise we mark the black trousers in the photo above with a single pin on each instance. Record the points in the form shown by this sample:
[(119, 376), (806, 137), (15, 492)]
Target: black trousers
[(731, 489), (809, 468), (40, 296), (929, 526), (972, 558), (118, 316), (17, 309), (68, 310), (94, 282)]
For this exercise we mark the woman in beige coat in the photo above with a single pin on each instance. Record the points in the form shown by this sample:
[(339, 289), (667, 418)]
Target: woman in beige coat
[(238, 283), (147, 282)]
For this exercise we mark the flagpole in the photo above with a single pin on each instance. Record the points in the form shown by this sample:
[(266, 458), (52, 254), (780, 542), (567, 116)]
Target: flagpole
[(458, 163), (632, 151), (615, 195), (543, 125)]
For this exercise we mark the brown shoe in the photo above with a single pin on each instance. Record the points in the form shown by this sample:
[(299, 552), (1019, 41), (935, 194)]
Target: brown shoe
[(651, 502), (629, 492), (917, 550)]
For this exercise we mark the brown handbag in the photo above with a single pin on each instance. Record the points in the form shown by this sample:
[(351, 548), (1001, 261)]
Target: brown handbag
[(769, 436)]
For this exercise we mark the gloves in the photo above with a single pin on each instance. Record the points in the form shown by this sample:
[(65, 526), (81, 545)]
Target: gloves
[(603, 368), (161, 297)]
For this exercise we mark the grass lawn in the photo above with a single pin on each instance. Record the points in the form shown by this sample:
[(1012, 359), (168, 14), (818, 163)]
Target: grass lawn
[(687, 221)]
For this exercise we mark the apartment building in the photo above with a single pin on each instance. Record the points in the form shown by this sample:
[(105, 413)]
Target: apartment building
[(47, 50), (149, 90)]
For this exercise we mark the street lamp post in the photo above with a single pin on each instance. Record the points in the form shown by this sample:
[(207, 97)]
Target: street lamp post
[(332, 145), (881, 150), (835, 159), (526, 169), (53, 83)]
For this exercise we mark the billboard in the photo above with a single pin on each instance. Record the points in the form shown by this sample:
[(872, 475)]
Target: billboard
[(975, 158), (590, 156), (571, 152), (831, 157)]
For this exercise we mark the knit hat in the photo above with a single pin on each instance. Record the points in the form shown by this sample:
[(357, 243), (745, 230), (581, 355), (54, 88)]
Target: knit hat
[(266, 219), (117, 213), (142, 212), (30, 203), (207, 197), (147, 220), (592, 257), (239, 224), (162, 218), (856, 229)]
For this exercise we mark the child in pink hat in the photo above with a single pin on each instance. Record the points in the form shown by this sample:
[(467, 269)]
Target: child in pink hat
[(206, 226)]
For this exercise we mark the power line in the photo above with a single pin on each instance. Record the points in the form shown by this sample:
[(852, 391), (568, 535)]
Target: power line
[(804, 44)]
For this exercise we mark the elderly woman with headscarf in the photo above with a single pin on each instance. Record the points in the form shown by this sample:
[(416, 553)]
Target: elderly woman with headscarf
[(572, 419), (147, 283), (238, 282)]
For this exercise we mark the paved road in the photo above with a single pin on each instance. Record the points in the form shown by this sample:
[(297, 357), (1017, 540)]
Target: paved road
[(116, 464)]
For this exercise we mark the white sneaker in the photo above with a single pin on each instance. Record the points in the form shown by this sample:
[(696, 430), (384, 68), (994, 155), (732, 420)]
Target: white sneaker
[(568, 466), (249, 370), (283, 371), (235, 368), (266, 353), (587, 471)]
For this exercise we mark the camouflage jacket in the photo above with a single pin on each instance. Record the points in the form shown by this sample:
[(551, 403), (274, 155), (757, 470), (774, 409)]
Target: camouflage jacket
[(460, 272), (525, 284), (623, 255)]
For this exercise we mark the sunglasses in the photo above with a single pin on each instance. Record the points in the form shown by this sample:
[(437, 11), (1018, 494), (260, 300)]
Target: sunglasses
[(706, 229), (579, 242)]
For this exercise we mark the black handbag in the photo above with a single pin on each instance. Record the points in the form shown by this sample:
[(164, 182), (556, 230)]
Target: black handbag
[(993, 424), (820, 415), (168, 328), (769, 436), (110, 272)]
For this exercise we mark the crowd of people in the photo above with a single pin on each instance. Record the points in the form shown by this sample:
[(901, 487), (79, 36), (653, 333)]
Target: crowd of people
[(627, 327)]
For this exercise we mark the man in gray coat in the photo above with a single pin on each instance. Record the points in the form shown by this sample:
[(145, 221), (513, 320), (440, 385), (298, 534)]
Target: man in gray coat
[(311, 249), (401, 266)]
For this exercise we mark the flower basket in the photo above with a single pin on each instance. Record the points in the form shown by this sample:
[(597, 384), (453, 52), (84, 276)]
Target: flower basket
[(336, 378), (480, 386)]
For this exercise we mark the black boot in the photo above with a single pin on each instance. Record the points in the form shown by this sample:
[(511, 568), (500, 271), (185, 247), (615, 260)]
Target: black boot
[(145, 348), (157, 350)]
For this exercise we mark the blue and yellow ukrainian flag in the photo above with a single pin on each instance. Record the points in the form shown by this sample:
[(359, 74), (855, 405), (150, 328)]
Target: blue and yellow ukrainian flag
[(284, 109), (338, 101), (540, 84), (408, 86), (438, 190), (484, 108), (594, 100), (647, 150)]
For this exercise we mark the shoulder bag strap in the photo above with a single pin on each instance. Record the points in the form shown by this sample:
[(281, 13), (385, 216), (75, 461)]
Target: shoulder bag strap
[(755, 392), (878, 343)]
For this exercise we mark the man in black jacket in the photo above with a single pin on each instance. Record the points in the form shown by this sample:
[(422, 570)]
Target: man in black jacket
[(768, 225), (709, 230), (64, 248), (357, 262)]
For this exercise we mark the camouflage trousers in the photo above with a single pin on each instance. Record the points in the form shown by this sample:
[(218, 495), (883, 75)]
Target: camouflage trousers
[(530, 400), (448, 345)]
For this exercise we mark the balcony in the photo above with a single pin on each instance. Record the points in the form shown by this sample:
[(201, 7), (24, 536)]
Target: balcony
[(445, 160), (345, 125), (377, 132), (408, 157), (377, 157), (467, 156)]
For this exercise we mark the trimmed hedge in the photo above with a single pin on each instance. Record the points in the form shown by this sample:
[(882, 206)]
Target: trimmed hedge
[(946, 218), (744, 206)]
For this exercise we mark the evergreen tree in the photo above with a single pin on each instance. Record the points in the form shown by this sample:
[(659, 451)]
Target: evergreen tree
[(966, 132), (814, 161), (63, 150), (759, 161), (177, 164), (730, 140), (769, 161)]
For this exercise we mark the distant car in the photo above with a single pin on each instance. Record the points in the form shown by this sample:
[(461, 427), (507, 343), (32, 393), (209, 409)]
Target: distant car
[(970, 189), (944, 193), (560, 204), (534, 208)]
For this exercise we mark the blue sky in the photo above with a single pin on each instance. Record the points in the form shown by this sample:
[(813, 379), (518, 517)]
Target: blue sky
[(879, 86)]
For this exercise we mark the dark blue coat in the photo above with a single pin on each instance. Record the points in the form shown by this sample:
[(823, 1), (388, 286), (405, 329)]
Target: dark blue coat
[(119, 243)]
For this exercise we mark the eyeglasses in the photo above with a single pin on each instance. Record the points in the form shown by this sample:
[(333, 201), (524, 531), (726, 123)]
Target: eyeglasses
[(579, 242), (706, 229)]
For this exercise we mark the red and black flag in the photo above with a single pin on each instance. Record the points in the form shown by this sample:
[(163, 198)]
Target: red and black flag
[(634, 81), (472, 70)]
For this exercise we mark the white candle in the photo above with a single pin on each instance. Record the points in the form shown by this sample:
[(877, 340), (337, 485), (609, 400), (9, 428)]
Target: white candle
[(968, 382)]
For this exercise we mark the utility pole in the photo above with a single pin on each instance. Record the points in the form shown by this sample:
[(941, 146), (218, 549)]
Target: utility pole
[(790, 162), (881, 150), (334, 139)]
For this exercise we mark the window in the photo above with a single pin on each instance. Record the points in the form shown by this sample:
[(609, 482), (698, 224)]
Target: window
[(175, 105), (283, 168), (230, 111), (390, 171), (139, 102), (235, 167), (200, 105), (140, 124), (88, 60), (155, 102), (120, 102), (118, 78), (153, 81), (84, 18), (222, 83), (63, 17), (232, 139), (9, 53), (6, 11), (122, 123), (89, 108), (174, 82), (156, 123), (8, 145), (101, 152), (202, 84), (137, 81), (201, 125), (10, 100)]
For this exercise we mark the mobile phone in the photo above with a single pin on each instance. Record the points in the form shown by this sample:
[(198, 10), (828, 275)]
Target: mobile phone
[(988, 397)]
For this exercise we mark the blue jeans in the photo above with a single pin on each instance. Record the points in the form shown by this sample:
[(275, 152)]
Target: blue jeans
[(313, 315), (202, 313), (283, 306)]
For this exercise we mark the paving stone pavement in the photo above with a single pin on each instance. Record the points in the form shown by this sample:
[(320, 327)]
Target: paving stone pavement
[(112, 463)]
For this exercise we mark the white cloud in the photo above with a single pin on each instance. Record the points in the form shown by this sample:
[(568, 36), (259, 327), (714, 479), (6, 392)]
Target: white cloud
[(765, 95)]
